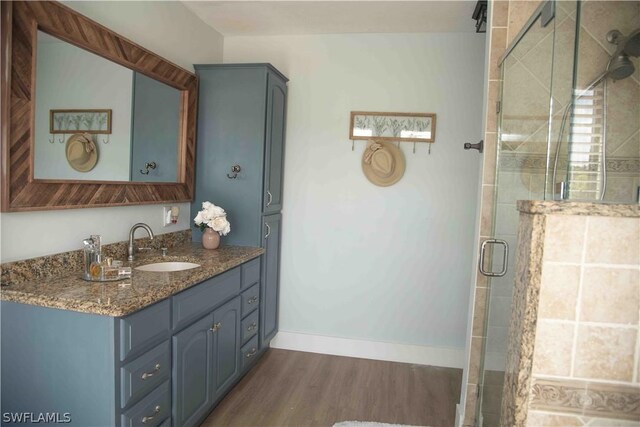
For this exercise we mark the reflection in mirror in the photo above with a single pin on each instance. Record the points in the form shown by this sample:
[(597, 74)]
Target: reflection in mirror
[(156, 114), (144, 118)]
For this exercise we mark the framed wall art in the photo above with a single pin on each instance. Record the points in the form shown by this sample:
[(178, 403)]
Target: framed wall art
[(75, 121), (409, 127)]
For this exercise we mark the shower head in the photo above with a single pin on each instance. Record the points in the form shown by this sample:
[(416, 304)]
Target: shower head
[(620, 67), (629, 45)]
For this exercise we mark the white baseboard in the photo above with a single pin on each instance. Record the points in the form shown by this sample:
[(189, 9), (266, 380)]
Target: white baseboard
[(459, 416), (405, 353)]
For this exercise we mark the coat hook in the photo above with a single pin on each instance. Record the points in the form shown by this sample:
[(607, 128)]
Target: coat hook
[(52, 139), (353, 143), (429, 149), (235, 169), (414, 148), (147, 166), (61, 140), (106, 141)]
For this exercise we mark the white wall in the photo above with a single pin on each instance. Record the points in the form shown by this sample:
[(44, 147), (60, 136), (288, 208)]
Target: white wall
[(78, 79), (360, 261), (172, 31), (167, 28)]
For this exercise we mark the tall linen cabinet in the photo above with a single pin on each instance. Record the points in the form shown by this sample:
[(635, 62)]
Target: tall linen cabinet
[(241, 122)]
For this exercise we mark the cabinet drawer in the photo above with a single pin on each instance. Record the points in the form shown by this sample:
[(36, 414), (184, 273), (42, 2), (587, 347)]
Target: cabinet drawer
[(250, 273), (249, 352), (145, 373), (250, 299), (204, 297), (143, 329), (151, 411), (250, 326)]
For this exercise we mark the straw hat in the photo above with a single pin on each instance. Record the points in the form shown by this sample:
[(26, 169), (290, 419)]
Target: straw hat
[(383, 163), (82, 153)]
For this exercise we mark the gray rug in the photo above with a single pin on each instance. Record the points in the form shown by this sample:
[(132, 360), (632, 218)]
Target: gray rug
[(367, 424)]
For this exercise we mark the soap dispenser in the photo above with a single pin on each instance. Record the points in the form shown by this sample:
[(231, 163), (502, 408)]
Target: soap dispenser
[(92, 257)]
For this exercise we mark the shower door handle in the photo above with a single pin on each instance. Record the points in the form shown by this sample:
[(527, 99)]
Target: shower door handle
[(505, 259)]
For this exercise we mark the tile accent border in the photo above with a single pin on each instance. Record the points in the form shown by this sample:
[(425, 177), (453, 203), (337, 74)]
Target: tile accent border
[(586, 398), (517, 161)]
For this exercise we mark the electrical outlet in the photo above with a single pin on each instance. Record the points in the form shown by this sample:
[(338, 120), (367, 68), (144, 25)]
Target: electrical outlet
[(170, 215), (166, 216)]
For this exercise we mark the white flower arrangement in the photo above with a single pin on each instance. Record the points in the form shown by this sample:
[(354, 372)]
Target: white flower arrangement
[(214, 217)]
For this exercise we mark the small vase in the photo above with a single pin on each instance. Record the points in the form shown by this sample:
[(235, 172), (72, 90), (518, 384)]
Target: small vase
[(210, 239)]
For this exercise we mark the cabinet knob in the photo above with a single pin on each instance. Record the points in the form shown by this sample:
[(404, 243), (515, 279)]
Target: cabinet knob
[(252, 300), (150, 374), (270, 198), (215, 327), (252, 327), (235, 170), (151, 417), (252, 353), (268, 230)]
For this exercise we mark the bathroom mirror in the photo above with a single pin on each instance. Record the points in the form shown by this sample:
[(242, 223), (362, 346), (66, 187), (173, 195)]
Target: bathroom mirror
[(133, 119), (64, 74)]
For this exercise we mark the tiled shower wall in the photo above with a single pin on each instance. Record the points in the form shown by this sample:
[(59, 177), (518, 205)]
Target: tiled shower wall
[(528, 155), (586, 359), (597, 18)]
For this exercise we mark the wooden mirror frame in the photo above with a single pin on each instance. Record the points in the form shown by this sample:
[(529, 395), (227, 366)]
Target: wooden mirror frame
[(21, 21)]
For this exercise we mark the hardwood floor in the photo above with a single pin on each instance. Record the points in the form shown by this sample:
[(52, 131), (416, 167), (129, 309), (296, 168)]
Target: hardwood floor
[(291, 388)]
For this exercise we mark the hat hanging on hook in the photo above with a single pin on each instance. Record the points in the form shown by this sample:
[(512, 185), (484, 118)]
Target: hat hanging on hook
[(81, 152), (383, 163)]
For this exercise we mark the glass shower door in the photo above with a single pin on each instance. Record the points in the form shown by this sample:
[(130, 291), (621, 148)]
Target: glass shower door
[(535, 77)]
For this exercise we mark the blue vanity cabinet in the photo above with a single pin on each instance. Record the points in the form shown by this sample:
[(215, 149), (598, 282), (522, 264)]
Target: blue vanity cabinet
[(242, 121), (226, 320), (206, 362), (270, 271), (168, 363), (274, 144)]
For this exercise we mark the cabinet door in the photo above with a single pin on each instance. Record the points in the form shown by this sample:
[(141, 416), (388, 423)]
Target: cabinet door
[(231, 131), (270, 278), (227, 344), (274, 150), (193, 372)]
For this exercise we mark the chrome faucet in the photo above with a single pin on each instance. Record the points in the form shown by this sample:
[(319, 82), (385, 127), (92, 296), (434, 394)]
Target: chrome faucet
[(132, 231)]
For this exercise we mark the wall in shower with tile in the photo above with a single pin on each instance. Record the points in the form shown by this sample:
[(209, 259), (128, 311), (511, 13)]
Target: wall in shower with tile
[(584, 157), (586, 362)]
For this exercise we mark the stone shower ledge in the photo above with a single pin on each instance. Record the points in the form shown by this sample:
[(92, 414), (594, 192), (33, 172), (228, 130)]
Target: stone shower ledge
[(542, 207)]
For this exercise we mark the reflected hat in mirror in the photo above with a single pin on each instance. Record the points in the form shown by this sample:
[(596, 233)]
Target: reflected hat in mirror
[(82, 153), (383, 163)]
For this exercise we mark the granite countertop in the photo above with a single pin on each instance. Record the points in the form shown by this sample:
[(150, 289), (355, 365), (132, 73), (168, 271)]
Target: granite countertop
[(70, 292)]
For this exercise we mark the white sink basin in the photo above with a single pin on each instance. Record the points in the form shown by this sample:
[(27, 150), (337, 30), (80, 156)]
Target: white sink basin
[(163, 267)]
